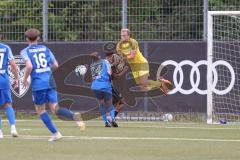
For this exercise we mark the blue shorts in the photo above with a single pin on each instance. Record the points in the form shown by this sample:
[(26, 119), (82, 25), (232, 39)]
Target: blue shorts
[(5, 96), (44, 96), (102, 95)]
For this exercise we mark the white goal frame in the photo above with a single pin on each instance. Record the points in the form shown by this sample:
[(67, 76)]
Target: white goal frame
[(210, 60)]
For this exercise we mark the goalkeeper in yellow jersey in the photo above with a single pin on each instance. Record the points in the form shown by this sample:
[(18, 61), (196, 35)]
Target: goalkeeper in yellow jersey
[(129, 48)]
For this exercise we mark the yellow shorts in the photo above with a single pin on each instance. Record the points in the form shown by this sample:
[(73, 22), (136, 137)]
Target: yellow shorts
[(139, 70)]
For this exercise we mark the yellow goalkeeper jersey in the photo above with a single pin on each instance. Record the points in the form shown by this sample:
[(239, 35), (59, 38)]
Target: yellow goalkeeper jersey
[(139, 64), (125, 47)]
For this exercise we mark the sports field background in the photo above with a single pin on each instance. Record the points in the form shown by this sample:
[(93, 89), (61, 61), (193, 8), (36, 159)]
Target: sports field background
[(132, 140), (172, 23)]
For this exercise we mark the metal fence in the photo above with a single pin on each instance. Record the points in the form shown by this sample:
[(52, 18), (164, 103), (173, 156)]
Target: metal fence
[(18, 15), (84, 20), (224, 5), (166, 20), (99, 20)]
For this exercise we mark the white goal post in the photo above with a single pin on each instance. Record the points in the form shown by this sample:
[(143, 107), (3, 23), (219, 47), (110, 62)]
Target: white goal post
[(223, 71)]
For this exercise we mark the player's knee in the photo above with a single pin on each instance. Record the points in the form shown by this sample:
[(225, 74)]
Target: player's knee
[(54, 108), (40, 110), (7, 105), (143, 80)]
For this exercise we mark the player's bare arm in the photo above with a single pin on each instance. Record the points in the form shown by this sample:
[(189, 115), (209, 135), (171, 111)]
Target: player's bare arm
[(134, 50), (15, 72), (28, 70), (131, 55), (54, 65)]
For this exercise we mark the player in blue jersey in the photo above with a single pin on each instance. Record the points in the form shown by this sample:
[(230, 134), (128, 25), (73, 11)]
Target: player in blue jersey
[(6, 57), (40, 62), (101, 86)]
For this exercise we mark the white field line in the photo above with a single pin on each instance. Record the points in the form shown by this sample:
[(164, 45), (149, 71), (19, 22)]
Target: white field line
[(25, 129), (137, 122), (121, 138), (96, 121), (170, 127), (160, 126), (175, 127)]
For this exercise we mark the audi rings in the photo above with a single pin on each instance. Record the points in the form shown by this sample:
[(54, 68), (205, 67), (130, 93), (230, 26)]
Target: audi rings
[(195, 72)]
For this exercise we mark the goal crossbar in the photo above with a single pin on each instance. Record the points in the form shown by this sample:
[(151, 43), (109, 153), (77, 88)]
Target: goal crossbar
[(223, 12)]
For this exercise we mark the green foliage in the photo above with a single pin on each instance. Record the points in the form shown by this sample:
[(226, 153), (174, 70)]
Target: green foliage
[(83, 20), (18, 15), (224, 5), (101, 19)]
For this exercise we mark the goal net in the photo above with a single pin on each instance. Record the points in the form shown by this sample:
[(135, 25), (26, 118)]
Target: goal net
[(223, 82)]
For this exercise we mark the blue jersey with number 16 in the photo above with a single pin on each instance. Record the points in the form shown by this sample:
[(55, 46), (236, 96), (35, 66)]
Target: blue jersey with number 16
[(41, 58)]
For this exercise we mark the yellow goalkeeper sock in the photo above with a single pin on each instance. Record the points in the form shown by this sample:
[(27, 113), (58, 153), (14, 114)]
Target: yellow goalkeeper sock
[(154, 83)]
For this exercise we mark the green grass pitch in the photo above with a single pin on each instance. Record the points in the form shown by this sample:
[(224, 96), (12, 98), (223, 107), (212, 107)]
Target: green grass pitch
[(131, 141)]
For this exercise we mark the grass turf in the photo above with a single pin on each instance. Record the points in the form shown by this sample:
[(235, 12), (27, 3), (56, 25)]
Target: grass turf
[(131, 141)]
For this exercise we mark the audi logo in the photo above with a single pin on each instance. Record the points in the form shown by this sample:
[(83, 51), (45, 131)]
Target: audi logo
[(196, 73)]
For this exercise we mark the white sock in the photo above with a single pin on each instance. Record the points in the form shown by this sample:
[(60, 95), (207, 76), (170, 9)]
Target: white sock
[(13, 127)]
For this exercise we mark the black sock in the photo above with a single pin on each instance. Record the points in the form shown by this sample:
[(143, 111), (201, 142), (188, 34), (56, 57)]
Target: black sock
[(116, 113)]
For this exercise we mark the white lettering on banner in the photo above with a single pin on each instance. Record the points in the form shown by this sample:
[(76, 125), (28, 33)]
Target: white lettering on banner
[(195, 70)]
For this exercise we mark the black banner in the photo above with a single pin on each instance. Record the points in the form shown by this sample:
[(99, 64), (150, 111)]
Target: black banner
[(179, 57)]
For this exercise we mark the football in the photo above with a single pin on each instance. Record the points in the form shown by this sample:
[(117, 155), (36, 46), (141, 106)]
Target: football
[(80, 70), (168, 117)]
